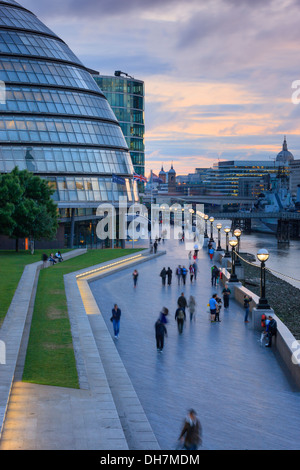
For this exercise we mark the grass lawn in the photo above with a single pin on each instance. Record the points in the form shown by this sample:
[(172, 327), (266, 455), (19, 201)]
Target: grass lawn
[(50, 358), (12, 265)]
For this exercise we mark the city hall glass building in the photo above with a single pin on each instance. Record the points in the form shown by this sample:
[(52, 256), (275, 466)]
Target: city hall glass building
[(57, 123), (126, 95)]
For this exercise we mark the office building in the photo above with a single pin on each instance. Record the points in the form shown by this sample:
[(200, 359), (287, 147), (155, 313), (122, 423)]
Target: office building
[(126, 97)]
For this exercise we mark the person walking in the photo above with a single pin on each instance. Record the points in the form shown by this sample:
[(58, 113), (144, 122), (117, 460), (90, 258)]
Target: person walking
[(181, 301), (178, 273), (135, 276), (169, 275), (192, 307), (160, 333), (214, 275), (226, 293), (195, 266), (163, 315), (115, 318), (247, 300), (218, 308), (271, 330), (155, 246), (192, 272), (213, 308), (163, 275), (180, 317), (183, 274), (211, 253), (191, 433)]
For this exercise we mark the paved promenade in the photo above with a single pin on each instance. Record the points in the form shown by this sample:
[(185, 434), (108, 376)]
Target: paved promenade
[(241, 394)]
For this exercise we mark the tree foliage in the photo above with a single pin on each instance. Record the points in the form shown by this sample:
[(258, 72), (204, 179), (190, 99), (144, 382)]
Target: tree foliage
[(26, 207)]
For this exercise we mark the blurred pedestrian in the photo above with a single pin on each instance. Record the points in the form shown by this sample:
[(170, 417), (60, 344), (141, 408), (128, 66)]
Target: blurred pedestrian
[(115, 318), (271, 330), (226, 293), (213, 308), (169, 275), (160, 333), (211, 253), (163, 275), (191, 433), (183, 274), (218, 308), (163, 315), (192, 307), (135, 276), (181, 301), (195, 266), (180, 317), (178, 273), (247, 301), (214, 275), (192, 272)]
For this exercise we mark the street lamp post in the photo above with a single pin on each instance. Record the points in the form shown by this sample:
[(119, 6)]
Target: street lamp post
[(233, 243), (219, 226), (227, 253), (263, 256), (237, 233), (205, 231), (211, 219)]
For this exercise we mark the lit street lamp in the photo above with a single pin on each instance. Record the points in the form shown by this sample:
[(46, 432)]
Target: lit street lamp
[(227, 230), (237, 233), (211, 219), (233, 243), (263, 256), (219, 226)]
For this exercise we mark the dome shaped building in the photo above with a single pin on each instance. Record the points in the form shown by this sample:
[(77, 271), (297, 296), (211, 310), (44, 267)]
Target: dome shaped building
[(163, 175), (285, 155), (57, 123)]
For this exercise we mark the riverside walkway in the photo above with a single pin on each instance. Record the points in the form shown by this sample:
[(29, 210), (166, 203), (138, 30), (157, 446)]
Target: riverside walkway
[(239, 390), (242, 396)]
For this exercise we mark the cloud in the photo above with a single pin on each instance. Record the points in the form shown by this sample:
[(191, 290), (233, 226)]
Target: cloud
[(217, 73)]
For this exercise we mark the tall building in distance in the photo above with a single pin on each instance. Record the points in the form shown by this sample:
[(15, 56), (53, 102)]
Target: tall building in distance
[(126, 96), (58, 124)]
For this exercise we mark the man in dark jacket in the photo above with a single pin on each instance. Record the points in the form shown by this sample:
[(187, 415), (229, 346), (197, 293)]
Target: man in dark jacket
[(160, 332), (181, 302), (115, 318), (180, 317), (163, 275), (271, 330), (169, 274)]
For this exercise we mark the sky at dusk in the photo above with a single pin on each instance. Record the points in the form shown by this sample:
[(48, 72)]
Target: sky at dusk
[(218, 73)]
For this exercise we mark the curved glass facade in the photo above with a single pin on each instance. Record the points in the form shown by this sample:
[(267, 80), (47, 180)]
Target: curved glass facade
[(56, 122), (126, 97)]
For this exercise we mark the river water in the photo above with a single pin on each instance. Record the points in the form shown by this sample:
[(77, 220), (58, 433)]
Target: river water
[(284, 258)]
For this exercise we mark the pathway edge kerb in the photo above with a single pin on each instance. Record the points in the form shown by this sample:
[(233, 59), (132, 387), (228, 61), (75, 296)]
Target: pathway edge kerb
[(12, 328), (91, 307)]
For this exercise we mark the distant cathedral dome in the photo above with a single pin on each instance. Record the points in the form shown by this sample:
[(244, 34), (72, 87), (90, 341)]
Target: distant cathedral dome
[(172, 171), (162, 171), (285, 155)]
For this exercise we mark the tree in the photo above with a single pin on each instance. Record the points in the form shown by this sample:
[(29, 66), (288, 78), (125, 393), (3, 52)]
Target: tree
[(26, 209)]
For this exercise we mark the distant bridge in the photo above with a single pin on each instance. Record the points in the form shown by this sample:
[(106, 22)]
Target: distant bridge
[(288, 223), (256, 215)]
